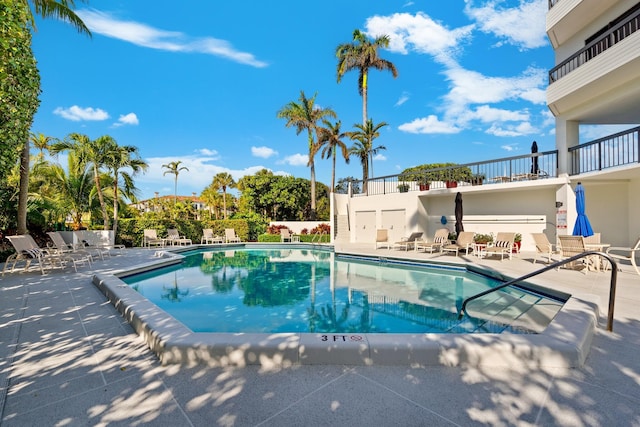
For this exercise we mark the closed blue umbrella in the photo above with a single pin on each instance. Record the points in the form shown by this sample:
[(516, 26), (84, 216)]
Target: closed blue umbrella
[(582, 227)]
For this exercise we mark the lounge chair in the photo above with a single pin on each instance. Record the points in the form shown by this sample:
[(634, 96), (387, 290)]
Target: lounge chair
[(628, 254), (60, 246), (150, 238), (285, 235), (543, 246), (230, 236), (29, 251), (463, 243), (208, 237), (382, 238), (574, 245), (440, 238), (89, 242), (174, 237), (503, 245), (408, 242)]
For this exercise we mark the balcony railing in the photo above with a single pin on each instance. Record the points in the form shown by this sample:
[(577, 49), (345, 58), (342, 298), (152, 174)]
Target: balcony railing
[(552, 3), (518, 168), (613, 36), (611, 151)]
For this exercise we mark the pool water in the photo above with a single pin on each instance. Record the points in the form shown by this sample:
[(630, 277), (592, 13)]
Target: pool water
[(297, 290)]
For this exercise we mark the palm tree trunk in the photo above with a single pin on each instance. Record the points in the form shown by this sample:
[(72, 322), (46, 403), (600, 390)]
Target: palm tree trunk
[(115, 206), (364, 99), (333, 173), (224, 201), (103, 206), (23, 194), (313, 192)]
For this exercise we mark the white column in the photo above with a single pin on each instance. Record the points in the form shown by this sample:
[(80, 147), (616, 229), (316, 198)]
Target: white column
[(567, 135)]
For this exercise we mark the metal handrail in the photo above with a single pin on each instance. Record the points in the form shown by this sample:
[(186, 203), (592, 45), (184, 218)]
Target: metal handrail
[(612, 289)]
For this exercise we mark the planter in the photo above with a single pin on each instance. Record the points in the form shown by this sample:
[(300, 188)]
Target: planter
[(403, 188), (424, 187), (476, 181), (451, 184), (516, 247)]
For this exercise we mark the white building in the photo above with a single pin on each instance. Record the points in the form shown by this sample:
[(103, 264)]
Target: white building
[(596, 81)]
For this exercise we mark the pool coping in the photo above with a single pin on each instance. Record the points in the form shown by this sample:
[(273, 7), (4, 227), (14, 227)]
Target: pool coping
[(565, 343)]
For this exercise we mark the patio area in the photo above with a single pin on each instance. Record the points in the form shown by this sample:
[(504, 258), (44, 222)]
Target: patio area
[(68, 358)]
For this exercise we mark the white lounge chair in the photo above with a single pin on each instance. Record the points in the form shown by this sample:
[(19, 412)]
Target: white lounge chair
[(150, 238), (28, 250), (230, 236), (382, 238), (503, 245), (574, 245), (408, 242), (463, 243), (628, 254), (60, 246), (440, 238), (285, 235), (543, 247), (174, 237), (208, 237)]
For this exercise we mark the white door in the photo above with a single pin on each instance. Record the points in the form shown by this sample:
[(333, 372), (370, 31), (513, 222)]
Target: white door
[(366, 227), (396, 222)]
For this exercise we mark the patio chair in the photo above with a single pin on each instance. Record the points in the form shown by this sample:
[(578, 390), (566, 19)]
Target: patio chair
[(89, 242), (150, 238), (574, 245), (503, 245), (408, 242), (285, 235), (230, 236), (28, 250), (544, 248), (628, 254), (463, 243), (382, 238), (174, 237), (440, 238), (60, 246), (208, 237)]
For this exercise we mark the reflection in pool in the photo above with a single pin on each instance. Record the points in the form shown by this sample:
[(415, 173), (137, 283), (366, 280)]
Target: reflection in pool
[(297, 290)]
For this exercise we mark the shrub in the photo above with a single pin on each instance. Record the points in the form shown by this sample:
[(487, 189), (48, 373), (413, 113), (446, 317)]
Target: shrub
[(322, 229)]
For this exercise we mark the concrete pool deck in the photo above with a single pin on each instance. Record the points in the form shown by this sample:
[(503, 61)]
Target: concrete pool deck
[(69, 358)]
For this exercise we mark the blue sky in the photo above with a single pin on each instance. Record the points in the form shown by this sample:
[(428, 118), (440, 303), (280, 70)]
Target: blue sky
[(201, 82)]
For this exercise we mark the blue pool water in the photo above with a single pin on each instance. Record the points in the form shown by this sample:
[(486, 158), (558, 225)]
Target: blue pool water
[(298, 290)]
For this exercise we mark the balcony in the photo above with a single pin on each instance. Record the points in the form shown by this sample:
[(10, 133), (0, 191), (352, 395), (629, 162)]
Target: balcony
[(613, 151), (528, 167), (607, 40)]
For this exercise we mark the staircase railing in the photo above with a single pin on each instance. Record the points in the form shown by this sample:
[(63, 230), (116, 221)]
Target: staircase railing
[(612, 286)]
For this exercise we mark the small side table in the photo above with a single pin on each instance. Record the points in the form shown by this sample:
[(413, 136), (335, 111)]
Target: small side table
[(480, 249), (295, 238)]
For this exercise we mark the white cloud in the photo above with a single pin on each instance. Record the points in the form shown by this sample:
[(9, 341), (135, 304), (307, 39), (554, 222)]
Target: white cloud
[(263, 152), (297, 160), (153, 38), (520, 129), (508, 147), (403, 98), (522, 26), (76, 114), (127, 119), (212, 154), (430, 124), (379, 157)]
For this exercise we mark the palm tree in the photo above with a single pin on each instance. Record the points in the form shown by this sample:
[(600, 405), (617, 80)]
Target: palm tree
[(363, 147), (361, 55), (223, 180), (41, 142), (62, 10), (305, 116), (330, 141), (71, 185), (175, 168), (119, 158), (94, 153)]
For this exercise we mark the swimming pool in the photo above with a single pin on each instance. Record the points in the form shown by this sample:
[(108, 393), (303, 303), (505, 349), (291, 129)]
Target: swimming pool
[(313, 291), (564, 342)]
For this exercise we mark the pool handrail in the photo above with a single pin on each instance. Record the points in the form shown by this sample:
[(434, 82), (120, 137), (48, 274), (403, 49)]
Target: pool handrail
[(557, 264)]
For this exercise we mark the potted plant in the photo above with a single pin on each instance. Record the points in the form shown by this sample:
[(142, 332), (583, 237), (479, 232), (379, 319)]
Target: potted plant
[(483, 239), (477, 179), (423, 183), (403, 188), (517, 243)]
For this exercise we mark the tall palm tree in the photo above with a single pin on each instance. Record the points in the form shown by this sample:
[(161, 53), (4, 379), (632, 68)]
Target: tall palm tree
[(62, 10), (41, 142), (93, 153), (175, 168), (330, 140), (361, 55), (304, 115), (223, 180), (120, 158), (364, 149)]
